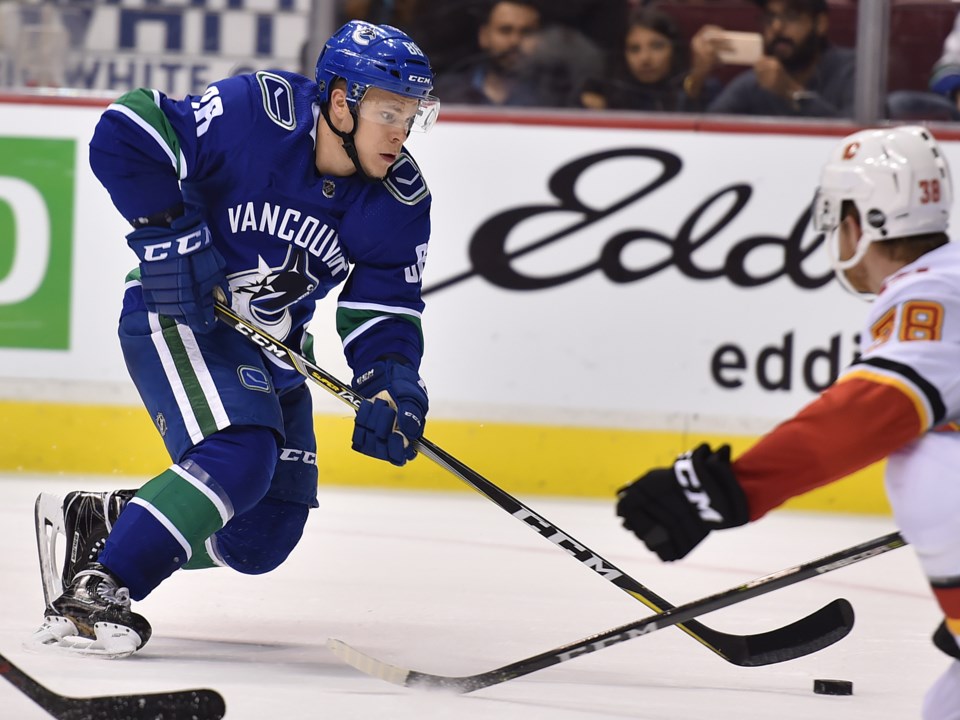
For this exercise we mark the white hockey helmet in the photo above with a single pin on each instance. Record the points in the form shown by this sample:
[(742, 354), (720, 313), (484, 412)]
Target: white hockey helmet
[(897, 177)]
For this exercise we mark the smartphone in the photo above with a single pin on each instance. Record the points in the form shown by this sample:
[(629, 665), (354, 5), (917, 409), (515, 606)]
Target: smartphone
[(739, 48)]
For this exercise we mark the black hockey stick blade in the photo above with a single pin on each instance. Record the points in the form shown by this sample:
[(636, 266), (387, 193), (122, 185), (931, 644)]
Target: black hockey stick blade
[(761, 586), (809, 634), (812, 633), (177, 705)]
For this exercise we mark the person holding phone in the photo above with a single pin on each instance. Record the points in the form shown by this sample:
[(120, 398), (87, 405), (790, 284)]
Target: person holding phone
[(655, 71), (491, 77), (800, 72)]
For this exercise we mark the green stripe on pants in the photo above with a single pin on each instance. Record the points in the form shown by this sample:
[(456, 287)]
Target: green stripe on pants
[(184, 506), (188, 376)]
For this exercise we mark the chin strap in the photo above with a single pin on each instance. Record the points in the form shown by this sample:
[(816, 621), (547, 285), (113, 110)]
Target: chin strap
[(840, 267), (347, 139)]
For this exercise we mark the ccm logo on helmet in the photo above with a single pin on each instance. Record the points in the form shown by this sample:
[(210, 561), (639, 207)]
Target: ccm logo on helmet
[(419, 79)]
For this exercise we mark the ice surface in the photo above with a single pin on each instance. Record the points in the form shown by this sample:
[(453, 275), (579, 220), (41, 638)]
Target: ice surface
[(450, 584)]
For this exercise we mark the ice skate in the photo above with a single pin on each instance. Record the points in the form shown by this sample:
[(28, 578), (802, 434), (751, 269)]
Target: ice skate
[(85, 519), (92, 617)]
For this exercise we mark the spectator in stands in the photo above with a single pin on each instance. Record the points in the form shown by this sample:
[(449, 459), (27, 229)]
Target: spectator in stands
[(945, 79), (446, 30), (601, 21), (398, 13), (556, 63), (800, 72), (492, 77), (654, 71)]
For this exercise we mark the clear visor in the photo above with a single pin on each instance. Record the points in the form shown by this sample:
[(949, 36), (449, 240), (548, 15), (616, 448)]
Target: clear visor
[(404, 113)]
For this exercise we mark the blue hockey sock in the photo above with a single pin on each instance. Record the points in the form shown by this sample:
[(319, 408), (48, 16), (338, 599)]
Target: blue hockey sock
[(174, 513)]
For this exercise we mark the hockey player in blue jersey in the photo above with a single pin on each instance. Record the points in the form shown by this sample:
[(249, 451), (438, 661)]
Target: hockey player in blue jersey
[(270, 189)]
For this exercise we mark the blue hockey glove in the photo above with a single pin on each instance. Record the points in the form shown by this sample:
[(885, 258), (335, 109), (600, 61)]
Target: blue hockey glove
[(393, 417), (673, 509), (179, 269)]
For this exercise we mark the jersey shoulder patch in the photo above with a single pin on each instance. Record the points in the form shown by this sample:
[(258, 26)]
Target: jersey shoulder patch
[(277, 98), (405, 182)]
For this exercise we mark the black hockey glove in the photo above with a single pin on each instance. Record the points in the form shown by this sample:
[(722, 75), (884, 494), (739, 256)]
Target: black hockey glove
[(672, 509)]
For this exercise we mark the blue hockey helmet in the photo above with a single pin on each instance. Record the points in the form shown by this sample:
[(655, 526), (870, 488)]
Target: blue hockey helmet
[(367, 55)]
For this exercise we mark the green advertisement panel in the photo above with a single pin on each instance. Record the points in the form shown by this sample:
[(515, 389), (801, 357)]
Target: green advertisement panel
[(36, 227)]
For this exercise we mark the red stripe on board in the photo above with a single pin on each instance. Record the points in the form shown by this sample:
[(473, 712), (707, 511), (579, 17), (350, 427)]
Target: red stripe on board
[(611, 120), (62, 100)]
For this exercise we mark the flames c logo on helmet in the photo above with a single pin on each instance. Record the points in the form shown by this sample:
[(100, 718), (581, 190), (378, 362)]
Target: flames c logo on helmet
[(850, 150)]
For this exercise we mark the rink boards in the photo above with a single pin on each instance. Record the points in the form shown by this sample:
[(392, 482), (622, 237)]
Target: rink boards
[(602, 293)]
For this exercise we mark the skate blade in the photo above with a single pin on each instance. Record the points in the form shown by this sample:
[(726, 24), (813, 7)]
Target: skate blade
[(58, 635), (48, 515)]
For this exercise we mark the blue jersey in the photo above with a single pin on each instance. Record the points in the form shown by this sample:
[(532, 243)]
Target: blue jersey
[(243, 156)]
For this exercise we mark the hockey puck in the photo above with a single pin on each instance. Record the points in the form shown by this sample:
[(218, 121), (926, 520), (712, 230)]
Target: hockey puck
[(833, 687)]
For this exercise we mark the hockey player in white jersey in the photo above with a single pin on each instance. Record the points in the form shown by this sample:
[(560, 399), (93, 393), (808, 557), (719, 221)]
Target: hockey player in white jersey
[(884, 202)]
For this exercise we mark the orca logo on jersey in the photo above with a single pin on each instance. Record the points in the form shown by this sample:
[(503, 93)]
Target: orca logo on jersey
[(267, 293), (630, 254)]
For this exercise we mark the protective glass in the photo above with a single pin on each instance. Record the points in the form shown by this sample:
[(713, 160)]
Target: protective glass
[(404, 113), (785, 18)]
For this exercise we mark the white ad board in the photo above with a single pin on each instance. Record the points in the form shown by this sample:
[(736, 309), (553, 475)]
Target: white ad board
[(579, 276), (629, 277)]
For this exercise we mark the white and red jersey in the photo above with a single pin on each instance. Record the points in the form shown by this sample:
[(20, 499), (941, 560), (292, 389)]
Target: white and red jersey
[(900, 400)]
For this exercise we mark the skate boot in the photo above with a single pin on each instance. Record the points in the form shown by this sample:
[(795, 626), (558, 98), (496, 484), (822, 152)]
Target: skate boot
[(85, 518), (93, 617), (88, 518)]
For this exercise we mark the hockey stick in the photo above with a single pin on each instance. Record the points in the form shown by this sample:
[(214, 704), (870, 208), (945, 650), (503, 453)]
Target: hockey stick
[(673, 616), (177, 705), (809, 634)]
